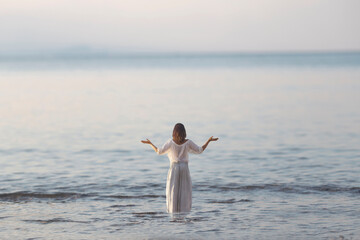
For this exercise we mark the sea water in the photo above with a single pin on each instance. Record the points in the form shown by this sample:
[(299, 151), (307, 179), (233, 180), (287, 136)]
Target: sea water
[(287, 163)]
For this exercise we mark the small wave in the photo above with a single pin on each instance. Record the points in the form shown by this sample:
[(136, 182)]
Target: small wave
[(149, 215), (146, 213), (65, 196), (333, 188), (26, 196), (54, 220), (232, 200), (287, 188), (122, 205), (134, 196), (181, 218), (125, 224)]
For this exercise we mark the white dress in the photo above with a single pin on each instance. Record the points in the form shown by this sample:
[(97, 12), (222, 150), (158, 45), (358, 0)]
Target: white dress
[(178, 184)]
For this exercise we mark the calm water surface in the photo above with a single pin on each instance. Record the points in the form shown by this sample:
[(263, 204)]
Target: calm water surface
[(286, 166)]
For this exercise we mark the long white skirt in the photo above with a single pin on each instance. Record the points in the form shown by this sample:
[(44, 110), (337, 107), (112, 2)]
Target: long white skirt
[(178, 188)]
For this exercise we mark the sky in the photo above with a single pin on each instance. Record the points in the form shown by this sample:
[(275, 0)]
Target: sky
[(179, 26)]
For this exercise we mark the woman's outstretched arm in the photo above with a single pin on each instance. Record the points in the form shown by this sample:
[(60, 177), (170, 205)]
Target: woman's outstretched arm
[(208, 141), (147, 141)]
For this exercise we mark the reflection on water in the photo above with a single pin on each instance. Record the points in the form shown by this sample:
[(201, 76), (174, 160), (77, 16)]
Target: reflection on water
[(286, 164)]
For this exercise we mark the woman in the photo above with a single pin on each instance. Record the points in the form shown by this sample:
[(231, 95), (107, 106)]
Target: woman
[(178, 185)]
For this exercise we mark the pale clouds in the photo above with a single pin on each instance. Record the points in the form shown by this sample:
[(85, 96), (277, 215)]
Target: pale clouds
[(196, 25)]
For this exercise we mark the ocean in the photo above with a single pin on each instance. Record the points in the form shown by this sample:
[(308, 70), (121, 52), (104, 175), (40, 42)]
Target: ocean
[(286, 165)]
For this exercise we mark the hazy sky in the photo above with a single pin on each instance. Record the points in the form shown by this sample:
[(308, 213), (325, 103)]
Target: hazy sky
[(187, 25)]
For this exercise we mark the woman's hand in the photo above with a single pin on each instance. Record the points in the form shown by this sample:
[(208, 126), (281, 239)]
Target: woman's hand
[(147, 141), (212, 139)]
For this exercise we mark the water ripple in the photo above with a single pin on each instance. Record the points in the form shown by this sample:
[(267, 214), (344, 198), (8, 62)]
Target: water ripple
[(54, 220), (232, 187)]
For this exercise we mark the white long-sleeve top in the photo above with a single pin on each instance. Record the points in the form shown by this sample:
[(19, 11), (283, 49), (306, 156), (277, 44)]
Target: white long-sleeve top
[(179, 153)]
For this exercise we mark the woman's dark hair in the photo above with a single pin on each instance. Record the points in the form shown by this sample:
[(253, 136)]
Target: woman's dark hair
[(179, 133)]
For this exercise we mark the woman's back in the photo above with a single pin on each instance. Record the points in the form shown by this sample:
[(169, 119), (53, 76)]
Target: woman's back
[(179, 152)]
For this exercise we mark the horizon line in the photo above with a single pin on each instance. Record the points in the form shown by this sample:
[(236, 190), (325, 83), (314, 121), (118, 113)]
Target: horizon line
[(115, 54)]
